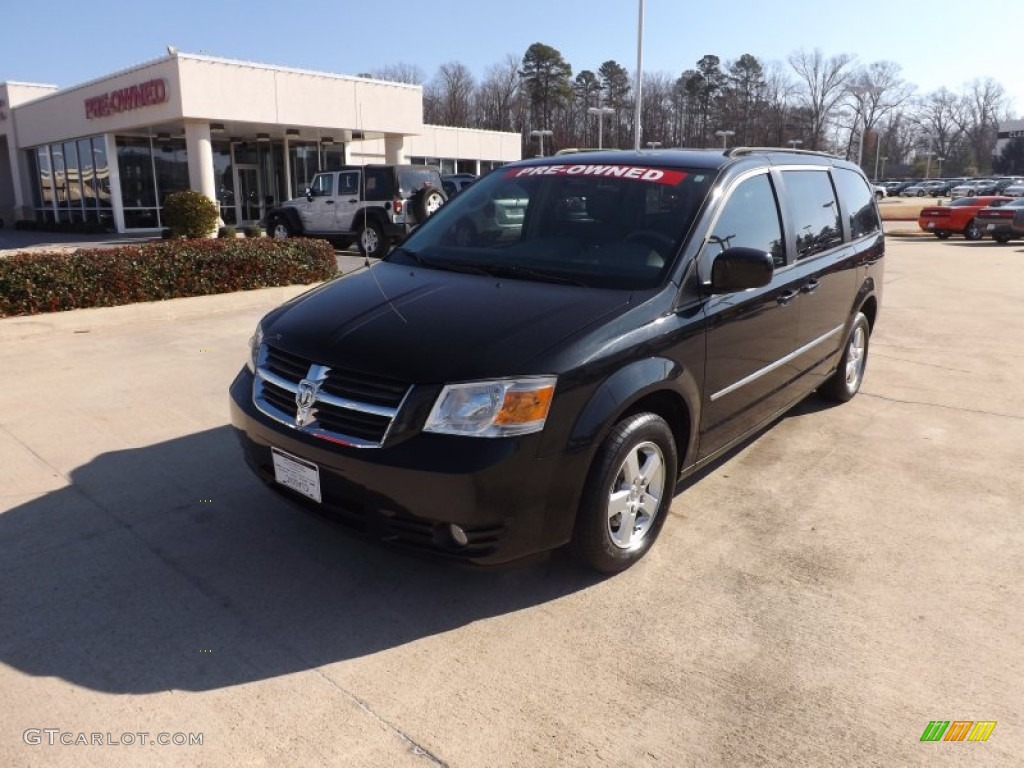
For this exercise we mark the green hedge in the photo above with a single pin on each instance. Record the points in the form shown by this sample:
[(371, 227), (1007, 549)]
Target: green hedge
[(51, 282)]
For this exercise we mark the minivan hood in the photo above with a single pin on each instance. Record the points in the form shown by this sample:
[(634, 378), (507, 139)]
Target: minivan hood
[(426, 325)]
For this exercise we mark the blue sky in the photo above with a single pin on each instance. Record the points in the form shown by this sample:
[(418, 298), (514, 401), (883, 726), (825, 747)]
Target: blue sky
[(935, 42)]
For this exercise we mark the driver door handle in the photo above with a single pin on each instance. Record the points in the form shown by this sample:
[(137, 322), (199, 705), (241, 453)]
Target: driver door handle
[(785, 298), (810, 287)]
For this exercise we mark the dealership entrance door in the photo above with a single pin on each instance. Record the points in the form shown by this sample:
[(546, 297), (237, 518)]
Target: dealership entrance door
[(249, 194)]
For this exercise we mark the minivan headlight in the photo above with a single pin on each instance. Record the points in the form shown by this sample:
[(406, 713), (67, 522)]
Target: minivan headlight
[(497, 408), (254, 346)]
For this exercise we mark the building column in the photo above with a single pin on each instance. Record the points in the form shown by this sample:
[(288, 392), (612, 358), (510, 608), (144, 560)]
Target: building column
[(287, 170), (201, 176), (114, 168), (394, 150)]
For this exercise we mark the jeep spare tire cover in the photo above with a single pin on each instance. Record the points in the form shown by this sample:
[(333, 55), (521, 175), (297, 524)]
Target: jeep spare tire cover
[(426, 202)]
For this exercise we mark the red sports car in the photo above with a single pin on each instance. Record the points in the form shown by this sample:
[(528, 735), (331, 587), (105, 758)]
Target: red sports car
[(958, 216)]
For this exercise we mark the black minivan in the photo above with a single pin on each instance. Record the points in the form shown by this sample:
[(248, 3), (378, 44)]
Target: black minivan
[(543, 361)]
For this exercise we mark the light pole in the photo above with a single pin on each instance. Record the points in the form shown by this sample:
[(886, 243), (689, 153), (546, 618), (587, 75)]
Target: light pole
[(842, 113), (884, 159), (940, 158), (540, 134), (928, 165), (600, 112), (794, 143), (724, 136), (639, 76)]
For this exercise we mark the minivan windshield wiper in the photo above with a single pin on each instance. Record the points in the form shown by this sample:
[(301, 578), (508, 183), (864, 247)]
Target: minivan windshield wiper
[(513, 270)]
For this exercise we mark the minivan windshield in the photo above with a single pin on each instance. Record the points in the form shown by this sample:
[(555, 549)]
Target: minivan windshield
[(598, 225)]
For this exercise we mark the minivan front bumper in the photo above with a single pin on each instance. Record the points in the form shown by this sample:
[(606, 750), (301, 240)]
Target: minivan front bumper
[(509, 501)]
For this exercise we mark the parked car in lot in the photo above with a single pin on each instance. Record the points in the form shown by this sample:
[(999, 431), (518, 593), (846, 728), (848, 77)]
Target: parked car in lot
[(880, 192), (959, 217), (940, 187), (486, 399), (894, 188), (373, 205), (1004, 183), (1014, 190), (986, 187), (1004, 222), (964, 189), (920, 189), (454, 183)]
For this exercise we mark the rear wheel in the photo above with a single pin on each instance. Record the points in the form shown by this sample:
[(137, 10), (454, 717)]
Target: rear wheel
[(942, 235), (846, 381), (1001, 238), (972, 231), (372, 241), (629, 490)]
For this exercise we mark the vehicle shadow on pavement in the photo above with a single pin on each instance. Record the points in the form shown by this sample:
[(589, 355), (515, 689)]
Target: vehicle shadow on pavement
[(172, 567)]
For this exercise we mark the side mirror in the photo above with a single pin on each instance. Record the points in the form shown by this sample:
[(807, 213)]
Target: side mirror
[(737, 269)]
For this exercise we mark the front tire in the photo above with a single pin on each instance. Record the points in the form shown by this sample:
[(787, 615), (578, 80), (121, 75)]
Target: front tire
[(942, 235), (972, 231), (846, 381), (279, 229), (1001, 238), (371, 240), (628, 493)]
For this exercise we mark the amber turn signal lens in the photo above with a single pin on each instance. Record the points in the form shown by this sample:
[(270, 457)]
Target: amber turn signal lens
[(523, 407)]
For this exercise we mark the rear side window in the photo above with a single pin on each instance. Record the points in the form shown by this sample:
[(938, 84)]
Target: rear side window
[(815, 211), (378, 186), (750, 218), (412, 180), (858, 202)]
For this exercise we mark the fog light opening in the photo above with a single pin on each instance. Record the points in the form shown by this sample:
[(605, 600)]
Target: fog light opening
[(458, 535)]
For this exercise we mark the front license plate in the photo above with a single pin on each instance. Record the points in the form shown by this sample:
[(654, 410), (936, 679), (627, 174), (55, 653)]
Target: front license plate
[(298, 474), (991, 226)]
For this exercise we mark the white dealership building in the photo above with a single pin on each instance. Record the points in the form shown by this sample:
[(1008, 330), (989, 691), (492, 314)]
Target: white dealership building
[(246, 135)]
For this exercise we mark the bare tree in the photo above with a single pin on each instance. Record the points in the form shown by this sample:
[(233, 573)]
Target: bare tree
[(498, 103), (399, 73), (984, 104), (777, 125), (942, 121), (656, 117), (448, 100), (823, 84), (874, 91)]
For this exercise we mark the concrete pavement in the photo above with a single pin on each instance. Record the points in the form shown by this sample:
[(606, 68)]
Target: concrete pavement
[(815, 599)]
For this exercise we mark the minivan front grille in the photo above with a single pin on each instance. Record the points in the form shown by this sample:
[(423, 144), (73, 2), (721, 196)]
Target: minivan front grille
[(346, 407)]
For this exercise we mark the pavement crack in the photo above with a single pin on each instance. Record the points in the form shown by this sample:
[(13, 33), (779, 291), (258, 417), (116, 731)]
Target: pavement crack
[(916, 362), (28, 448), (945, 407), (415, 747)]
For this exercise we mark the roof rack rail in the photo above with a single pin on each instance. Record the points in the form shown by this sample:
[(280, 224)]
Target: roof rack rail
[(737, 151)]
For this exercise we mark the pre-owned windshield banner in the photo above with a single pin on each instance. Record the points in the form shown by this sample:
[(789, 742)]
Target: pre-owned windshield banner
[(632, 172)]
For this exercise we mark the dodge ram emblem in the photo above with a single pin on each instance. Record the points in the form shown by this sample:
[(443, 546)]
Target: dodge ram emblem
[(306, 394), (305, 397)]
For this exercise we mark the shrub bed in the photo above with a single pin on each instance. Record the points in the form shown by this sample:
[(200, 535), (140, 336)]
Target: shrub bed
[(52, 282)]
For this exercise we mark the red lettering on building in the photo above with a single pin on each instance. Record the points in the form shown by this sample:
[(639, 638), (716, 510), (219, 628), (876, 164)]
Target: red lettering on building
[(126, 99)]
